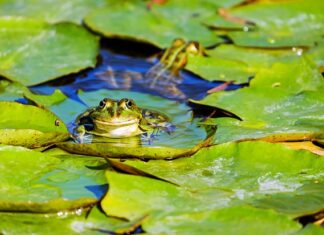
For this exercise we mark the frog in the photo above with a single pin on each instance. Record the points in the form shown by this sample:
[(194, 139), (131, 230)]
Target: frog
[(119, 119), (163, 77)]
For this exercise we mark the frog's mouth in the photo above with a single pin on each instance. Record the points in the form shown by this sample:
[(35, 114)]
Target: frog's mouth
[(118, 123)]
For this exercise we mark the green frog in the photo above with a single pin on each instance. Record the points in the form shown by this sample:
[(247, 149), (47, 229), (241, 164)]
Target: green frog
[(118, 119), (164, 76)]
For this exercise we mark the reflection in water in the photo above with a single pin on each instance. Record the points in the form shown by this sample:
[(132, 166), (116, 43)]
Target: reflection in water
[(120, 72)]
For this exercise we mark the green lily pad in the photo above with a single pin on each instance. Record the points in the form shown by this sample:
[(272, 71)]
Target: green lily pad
[(311, 229), (50, 11), (153, 26), (297, 23), (63, 223), (255, 171), (133, 197), (11, 91), (42, 52), (239, 64), (272, 105), (43, 183), (173, 210), (305, 200), (29, 126), (235, 220), (14, 115), (108, 150), (216, 69)]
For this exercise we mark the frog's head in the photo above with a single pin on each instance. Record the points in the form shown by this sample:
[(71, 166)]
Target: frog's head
[(118, 118)]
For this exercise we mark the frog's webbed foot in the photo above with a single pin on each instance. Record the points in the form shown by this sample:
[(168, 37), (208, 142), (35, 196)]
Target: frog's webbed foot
[(79, 134)]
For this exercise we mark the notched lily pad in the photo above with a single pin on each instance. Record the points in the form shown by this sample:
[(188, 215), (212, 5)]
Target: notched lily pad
[(33, 52)]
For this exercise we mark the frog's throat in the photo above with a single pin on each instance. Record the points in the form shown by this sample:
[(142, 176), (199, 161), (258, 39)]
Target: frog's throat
[(120, 130)]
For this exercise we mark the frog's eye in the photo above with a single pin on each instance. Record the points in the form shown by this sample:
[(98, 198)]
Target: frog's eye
[(129, 103), (102, 104)]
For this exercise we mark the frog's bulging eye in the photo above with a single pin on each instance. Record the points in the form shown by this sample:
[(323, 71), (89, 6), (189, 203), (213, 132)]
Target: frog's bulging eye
[(102, 104), (129, 103)]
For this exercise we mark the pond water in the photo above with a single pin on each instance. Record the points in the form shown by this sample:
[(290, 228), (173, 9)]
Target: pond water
[(88, 87)]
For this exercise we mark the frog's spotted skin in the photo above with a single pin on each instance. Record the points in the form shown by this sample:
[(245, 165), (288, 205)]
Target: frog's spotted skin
[(163, 77), (118, 119)]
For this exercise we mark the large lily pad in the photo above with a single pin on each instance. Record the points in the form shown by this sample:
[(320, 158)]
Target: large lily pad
[(253, 170), (133, 197), (271, 106), (43, 183), (235, 220), (172, 210), (153, 26), (50, 10), (32, 52), (297, 23)]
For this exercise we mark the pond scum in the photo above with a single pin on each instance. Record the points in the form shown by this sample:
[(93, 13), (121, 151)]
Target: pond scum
[(161, 117)]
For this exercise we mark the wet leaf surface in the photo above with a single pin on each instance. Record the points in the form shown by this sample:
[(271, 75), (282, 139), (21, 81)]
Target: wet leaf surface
[(235, 220), (153, 26), (52, 10), (13, 91), (43, 183), (42, 52), (297, 23), (29, 126), (63, 223), (237, 64), (246, 169), (272, 104)]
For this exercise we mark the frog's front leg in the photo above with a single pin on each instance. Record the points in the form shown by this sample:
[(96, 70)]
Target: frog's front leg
[(79, 133)]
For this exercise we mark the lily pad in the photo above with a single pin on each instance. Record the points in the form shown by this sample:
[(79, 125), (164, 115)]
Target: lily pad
[(43, 183), (126, 193), (51, 10), (234, 220), (33, 52), (63, 223), (239, 64), (153, 26), (14, 115), (297, 23), (172, 210), (29, 126), (11, 91), (253, 170), (272, 105)]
